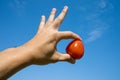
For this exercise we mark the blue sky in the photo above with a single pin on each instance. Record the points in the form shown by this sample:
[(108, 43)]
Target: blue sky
[(96, 21)]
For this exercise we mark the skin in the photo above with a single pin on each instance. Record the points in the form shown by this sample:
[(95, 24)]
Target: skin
[(40, 50)]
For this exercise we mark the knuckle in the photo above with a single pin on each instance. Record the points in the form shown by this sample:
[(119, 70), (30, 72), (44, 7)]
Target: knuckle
[(64, 11), (55, 36), (71, 33), (59, 19), (52, 13), (42, 22)]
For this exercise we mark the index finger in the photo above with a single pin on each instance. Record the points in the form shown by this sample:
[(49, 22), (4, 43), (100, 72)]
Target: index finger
[(60, 18)]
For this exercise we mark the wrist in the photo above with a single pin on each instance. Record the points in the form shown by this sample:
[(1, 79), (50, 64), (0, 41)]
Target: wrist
[(24, 54)]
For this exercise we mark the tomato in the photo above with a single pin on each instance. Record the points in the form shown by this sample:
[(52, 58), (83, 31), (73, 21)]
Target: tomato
[(75, 49)]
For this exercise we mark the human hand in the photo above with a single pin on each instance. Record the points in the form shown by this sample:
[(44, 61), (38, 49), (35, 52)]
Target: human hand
[(39, 50), (43, 45)]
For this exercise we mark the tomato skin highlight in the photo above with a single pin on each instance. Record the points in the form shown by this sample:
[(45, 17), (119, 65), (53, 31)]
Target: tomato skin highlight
[(75, 49)]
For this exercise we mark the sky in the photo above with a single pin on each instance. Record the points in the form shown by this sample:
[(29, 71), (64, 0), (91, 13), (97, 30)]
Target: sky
[(96, 21)]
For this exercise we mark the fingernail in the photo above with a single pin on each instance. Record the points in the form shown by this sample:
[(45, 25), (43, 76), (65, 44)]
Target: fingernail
[(73, 61), (77, 36), (42, 16), (80, 38), (54, 9), (66, 7)]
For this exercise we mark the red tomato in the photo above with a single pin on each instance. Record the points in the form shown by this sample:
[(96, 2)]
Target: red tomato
[(75, 49)]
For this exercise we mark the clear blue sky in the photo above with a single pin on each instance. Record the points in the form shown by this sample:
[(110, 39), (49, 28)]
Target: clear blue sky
[(96, 21)]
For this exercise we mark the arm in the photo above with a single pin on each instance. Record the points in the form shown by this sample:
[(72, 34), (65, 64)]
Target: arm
[(13, 60), (41, 49)]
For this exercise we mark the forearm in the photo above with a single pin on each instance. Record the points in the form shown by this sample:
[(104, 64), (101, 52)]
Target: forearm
[(13, 60)]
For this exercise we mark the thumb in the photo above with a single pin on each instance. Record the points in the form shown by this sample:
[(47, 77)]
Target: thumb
[(65, 57)]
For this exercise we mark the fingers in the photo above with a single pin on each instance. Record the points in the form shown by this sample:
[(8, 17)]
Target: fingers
[(42, 22), (65, 57), (67, 35), (60, 18), (51, 17), (55, 23)]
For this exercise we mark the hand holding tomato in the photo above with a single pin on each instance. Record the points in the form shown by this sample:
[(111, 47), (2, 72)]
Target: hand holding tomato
[(75, 49)]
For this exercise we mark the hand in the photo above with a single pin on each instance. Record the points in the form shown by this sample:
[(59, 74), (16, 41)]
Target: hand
[(39, 50), (43, 45)]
